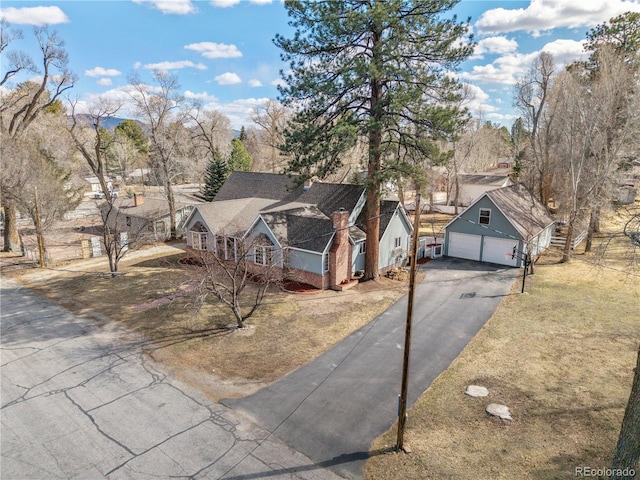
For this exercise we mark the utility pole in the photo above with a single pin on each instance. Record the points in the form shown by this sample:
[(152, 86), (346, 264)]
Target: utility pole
[(402, 407), (39, 231)]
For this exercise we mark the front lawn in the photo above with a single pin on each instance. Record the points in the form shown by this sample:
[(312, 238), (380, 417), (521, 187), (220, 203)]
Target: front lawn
[(199, 347), (561, 357)]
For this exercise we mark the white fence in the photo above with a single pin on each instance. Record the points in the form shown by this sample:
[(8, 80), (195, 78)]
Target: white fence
[(560, 241)]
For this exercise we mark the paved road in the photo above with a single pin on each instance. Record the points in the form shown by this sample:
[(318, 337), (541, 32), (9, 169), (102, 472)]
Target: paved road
[(81, 401), (334, 407)]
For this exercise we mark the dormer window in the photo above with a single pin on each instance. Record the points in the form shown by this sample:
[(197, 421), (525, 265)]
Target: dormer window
[(485, 216)]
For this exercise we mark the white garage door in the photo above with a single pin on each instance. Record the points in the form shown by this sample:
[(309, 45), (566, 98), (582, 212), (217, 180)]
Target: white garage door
[(464, 245), (494, 249)]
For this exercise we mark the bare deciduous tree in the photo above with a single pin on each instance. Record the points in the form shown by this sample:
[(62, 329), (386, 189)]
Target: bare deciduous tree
[(19, 107), (161, 109), (271, 119), (532, 98), (39, 173), (117, 236), (91, 139), (211, 136), (238, 274)]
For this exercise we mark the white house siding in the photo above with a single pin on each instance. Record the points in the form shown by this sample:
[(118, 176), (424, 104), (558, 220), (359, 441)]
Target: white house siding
[(195, 218), (391, 255), (357, 258), (260, 228)]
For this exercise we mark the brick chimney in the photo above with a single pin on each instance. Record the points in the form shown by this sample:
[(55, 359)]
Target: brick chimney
[(307, 184), (340, 252), (138, 199)]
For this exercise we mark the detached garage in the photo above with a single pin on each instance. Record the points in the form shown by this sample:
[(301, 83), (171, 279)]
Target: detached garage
[(498, 223)]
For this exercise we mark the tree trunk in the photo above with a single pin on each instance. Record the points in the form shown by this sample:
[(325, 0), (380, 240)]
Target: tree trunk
[(172, 210), (627, 453), (371, 269), (591, 231), (566, 251), (12, 241), (456, 198)]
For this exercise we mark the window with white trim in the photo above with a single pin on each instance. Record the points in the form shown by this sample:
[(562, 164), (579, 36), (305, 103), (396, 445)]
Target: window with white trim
[(485, 216), (264, 255), (325, 263), (199, 240), (397, 242), (363, 248), (231, 252)]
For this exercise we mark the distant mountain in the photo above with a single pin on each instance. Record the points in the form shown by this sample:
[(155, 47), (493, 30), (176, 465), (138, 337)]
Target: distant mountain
[(111, 123)]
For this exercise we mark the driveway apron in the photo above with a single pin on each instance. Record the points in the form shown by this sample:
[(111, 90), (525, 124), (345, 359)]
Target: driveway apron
[(334, 407), (83, 400)]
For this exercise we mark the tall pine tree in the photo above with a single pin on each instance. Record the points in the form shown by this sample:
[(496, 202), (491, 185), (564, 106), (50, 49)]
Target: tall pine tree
[(215, 175), (239, 159), (375, 70)]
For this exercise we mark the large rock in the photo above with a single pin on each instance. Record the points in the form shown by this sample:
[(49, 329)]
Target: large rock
[(476, 391), (498, 410)]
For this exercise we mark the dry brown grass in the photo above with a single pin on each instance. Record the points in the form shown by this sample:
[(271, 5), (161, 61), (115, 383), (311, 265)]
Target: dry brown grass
[(561, 357), (199, 347), (432, 224)]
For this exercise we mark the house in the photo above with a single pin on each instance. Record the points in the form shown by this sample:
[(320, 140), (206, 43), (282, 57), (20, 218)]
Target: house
[(95, 187), (473, 186), (149, 215), (497, 224), (315, 232)]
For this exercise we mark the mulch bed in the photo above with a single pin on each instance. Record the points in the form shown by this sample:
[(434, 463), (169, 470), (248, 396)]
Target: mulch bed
[(298, 287)]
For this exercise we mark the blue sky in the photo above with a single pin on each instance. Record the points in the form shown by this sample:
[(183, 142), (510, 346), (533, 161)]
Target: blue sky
[(222, 50)]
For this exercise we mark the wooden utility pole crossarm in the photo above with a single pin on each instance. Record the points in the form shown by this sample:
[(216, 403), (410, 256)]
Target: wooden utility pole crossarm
[(402, 407)]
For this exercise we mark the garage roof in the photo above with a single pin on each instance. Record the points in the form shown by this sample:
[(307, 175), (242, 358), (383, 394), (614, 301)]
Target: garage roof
[(522, 209)]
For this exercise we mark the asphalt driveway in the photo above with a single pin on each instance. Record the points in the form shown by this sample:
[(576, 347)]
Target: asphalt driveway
[(334, 407), (82, 400)]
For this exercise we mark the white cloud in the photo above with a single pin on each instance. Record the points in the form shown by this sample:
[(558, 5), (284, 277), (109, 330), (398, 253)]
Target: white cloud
[(565, 51), (506, 69), (175, 7), (38, 16), (175, 65), (231, 3), (499, 45), (105, 82), (215, 50), (203, 96), (102, 72), (279, 82), (476, 100), (137, 65), (224, 3), (254, 82), (228, 78), (239, 111), (543, 15)]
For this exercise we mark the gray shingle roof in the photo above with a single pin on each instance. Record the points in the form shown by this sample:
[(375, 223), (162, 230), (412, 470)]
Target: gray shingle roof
[(524, 211), (302, 227), (387, 208), (257, 185), (153, 206), (299, 217), (232, 217), (482, 179)]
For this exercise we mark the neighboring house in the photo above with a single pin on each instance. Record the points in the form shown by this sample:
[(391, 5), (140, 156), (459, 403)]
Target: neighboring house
[(474, 185), (149, 215), (95, 187), (498, 223), (314, 233)]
